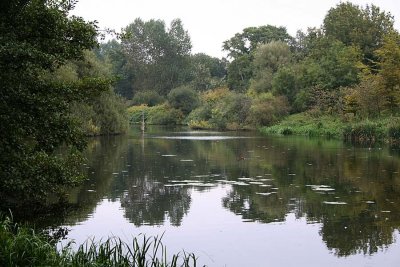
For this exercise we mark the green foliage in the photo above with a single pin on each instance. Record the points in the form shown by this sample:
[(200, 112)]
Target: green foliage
[(268, 58), (357, 26), (364, 132), (231, 111), (309, 125), (389, 70), (241, 48), (104, 113), (267, 109), (285, 82), (183, 98), (159, 115), (156, 57), (393, 131), (207, 72), (22, 246), (149, 98), (37, 38)]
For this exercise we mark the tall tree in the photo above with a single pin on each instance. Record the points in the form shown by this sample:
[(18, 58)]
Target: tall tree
[(37, 37), (357, 26), (268, 58), (389, 70), (157, 58), (240, 49)]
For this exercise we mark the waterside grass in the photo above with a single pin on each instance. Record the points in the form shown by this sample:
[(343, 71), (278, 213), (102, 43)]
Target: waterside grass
[(386, 129), (22, 246)]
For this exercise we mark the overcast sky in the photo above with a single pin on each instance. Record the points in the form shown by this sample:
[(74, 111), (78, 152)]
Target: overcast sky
[(211, 22)]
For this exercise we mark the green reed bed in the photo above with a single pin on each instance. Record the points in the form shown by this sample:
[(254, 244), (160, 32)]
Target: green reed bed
[(305, 124), (367, 131), (22, 246)]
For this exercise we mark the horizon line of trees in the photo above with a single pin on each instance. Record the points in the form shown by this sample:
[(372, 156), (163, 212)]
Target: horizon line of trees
[(351, 61)]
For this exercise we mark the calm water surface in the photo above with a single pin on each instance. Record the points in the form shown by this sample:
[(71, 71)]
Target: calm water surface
[(241, 199)]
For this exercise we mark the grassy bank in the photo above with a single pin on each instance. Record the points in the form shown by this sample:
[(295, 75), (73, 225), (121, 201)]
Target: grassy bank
[(22, 246), (381, 129)]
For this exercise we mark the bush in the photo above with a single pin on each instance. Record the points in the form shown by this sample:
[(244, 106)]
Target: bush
[(198, 125), (183, 98), (158, 115), (233, 108), (149, 98), (268, 109)]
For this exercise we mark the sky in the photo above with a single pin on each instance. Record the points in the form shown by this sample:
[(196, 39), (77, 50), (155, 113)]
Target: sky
[(211, 22)]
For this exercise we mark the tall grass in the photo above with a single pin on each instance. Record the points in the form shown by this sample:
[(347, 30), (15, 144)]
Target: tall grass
[(364, 132), (22, 246), (305, 124)]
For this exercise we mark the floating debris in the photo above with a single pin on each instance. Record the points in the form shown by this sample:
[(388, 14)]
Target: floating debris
[(265, 180), (168, 155), (370, 202), (240, 183), (385, 211), (91, 190), (321, 188), (174, 185), (115, 173), (245, 178), (257, 183), (265, 185), (186, 160), (265, 194), (334, 203)]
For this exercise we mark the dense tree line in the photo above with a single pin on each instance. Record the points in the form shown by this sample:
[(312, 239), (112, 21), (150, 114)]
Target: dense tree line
[(339, 68)]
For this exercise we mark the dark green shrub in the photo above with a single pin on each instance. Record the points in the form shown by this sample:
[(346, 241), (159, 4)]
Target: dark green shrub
[(183, 98)]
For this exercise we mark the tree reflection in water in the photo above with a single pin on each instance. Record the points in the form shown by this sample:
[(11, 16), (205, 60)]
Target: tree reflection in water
[(354, 193)]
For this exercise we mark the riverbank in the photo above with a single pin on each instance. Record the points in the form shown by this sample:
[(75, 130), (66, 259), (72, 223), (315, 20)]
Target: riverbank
[(22, 246), (386, 129)]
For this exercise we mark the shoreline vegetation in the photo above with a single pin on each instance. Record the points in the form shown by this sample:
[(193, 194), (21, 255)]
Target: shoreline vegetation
[(367, 131), (23, 246)]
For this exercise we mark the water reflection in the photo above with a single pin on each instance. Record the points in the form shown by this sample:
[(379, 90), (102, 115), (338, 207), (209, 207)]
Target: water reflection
[(353, 192)]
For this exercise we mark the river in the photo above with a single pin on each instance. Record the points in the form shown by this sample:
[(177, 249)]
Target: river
[(242, 199)]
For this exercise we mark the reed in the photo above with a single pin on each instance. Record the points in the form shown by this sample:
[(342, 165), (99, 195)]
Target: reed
[(22, 246)]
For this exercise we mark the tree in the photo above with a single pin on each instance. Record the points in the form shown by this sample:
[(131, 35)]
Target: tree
[(268, 58), (331, 64), (389, 69), (357, 26), (37, 38), (248, 40), (240, 48), (157, 58), (112, 53), (207, 72)]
